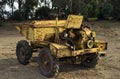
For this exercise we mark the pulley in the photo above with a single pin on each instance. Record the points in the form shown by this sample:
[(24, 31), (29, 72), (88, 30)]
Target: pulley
[(90, 43)]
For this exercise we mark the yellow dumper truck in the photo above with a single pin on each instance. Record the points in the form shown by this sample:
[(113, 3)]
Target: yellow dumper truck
[(58, 41)]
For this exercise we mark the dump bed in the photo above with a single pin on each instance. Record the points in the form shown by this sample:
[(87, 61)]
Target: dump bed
[(40, 30), (45, 30)]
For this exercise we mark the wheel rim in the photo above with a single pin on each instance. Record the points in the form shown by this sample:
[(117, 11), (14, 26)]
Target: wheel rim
[(45, 63), (22, 54), (88, 59)]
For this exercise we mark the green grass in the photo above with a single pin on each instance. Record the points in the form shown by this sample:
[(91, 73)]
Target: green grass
[(92, 19), (1, 24), (4, 24)]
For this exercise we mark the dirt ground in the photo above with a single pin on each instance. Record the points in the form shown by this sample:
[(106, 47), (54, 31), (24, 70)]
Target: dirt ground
[(107, 68)]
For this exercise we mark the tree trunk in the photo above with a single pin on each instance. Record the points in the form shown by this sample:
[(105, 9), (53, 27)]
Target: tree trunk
[(20, 8), (70, 6), (12, 7)]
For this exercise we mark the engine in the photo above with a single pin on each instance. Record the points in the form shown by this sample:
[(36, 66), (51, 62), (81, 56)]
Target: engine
[(79, 38)]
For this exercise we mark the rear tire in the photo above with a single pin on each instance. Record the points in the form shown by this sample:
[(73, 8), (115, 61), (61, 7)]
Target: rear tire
[(23, 52), (47, 63), (89, 60)]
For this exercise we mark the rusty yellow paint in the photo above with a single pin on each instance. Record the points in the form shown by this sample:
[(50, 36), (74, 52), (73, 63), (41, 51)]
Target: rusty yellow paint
[(31, 33), (63, 51), (102, 45), (68, 53), (49, 23), (84, 51), (43, 30), (26, 31), (74, 21), (18, 28), (59, 50), (42, 34), (58, 46)]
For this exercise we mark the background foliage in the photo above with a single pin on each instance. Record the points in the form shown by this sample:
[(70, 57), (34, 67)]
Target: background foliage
[(42, 9)]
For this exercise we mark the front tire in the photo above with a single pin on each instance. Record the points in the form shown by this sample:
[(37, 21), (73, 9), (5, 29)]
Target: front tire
[(89, 60), (47, 63), (23, 52)]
